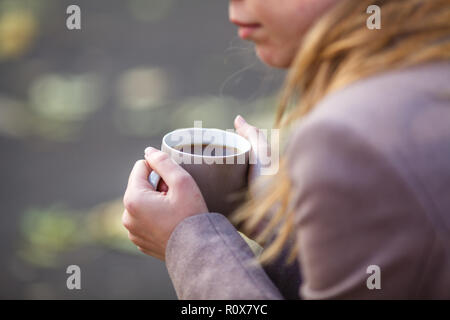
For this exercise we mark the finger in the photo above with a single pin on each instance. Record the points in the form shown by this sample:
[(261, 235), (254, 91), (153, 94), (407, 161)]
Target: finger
[(242, 127), (166, 167), (134, 226), (137, 240), (146, 247), (251, 133), (150, 253), (128, 222), (139, 176), (260, 154)]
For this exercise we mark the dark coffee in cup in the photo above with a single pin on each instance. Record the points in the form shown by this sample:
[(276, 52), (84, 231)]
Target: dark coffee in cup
[(212, 150)]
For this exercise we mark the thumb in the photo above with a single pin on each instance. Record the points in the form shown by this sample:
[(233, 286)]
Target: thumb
[(166, 167), (245, 130), (242, 127), (249, 132), (138, 176)]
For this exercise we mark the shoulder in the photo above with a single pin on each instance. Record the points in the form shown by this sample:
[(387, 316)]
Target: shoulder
[(396, 115), (391, 88), (398, 120), (381, 105), (350, 177)]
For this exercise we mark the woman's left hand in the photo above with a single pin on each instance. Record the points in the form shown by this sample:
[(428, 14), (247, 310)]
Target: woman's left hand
[(151, 216)]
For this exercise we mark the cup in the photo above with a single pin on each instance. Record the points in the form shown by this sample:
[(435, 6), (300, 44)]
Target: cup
[(218, 161)]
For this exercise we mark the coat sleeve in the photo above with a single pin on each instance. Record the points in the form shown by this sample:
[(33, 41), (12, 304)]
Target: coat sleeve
[(207, 258)]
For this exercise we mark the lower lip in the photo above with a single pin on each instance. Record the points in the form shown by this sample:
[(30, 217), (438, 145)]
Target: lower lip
[(247, 32)]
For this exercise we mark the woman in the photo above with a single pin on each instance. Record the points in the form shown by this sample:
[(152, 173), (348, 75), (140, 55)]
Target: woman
[(362, 199)]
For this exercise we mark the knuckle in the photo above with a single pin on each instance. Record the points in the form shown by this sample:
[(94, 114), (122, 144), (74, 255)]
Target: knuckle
[(141, 249), (130, 202), (183, 181), (160, 156), (141, 163), (126, 199), (132, 238), (251, 131), (126, 221)]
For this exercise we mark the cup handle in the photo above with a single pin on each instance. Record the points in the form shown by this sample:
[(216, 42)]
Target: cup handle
[(153, 179)]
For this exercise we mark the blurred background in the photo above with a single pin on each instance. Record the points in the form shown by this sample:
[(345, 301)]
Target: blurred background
[(77, 109)]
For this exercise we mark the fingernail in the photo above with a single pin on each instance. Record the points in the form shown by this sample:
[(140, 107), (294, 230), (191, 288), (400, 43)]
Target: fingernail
[(240, 121), (149, 150)]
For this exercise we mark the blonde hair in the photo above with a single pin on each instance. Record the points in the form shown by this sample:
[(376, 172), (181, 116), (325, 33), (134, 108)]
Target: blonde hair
[(337, 51)]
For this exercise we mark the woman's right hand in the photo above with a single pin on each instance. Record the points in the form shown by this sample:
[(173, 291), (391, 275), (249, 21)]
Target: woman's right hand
[(260, 147)]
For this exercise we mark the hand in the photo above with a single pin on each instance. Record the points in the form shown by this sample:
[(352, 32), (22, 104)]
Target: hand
[(260, 147), (151, 216)]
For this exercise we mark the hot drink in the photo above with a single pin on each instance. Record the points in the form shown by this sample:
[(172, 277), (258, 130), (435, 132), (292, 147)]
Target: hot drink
[(208, 150)]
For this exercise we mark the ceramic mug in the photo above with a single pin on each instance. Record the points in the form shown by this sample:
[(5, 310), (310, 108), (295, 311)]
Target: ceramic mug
[(218, 161)]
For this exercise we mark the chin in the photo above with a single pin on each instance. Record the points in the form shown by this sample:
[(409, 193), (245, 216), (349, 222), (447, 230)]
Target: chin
[(274, 58)]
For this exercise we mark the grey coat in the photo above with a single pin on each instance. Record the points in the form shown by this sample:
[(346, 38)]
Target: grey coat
[(370, 167)]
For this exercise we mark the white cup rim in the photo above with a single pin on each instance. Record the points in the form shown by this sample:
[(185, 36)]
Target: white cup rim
[(243, 151)]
